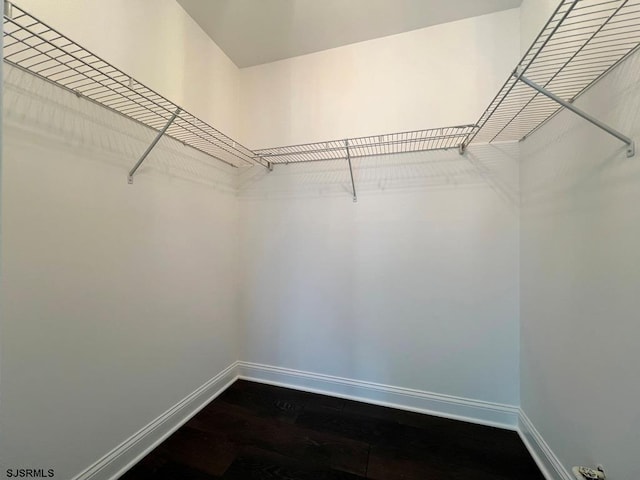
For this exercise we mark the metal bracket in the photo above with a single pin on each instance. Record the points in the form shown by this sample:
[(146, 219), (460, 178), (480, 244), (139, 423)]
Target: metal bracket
[(270, 166), (153, 144), (631, 149), (7, 10), (462, 148), (353, 183)]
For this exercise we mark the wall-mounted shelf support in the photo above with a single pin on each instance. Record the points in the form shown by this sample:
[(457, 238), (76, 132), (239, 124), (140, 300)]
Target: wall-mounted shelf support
[(33, 46), (611, 131), (153, 144), (582, 41), (8, 9), (353, 183)]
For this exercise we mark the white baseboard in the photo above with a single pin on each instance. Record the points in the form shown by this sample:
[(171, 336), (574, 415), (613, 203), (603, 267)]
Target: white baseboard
[(465, 409), (547, 461), (132, 450)]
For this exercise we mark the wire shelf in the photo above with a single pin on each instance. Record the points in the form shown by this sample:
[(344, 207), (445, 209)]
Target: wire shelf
[(375, 145), (582, 41), (34, 46)]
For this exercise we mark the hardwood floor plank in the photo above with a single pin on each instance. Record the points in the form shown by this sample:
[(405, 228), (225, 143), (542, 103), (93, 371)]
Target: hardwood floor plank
[(315, 447), (256, 431), (354, 427), (203, 451), (166, 471), (257, 464), (390, 465), (266, 400)]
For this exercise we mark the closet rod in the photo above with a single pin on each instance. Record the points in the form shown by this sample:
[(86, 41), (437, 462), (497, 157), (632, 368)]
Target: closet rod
[(569, 106)]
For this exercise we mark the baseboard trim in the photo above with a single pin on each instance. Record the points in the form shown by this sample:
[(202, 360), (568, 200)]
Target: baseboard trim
[(457, 408), (132, 450), (549, 464), (128, 453)]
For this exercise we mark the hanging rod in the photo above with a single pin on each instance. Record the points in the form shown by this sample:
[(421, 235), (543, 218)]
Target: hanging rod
[(33, 46), (582, 41)]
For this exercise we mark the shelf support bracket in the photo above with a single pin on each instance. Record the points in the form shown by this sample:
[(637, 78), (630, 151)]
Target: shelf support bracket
[(7, 9), (153, 144), (631, 148), (353, 183)]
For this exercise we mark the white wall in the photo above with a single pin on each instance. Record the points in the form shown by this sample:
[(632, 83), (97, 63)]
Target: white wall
[(579, 281), (534, 14), (434, 77), (414, 286), (117, 300), (158, 44)]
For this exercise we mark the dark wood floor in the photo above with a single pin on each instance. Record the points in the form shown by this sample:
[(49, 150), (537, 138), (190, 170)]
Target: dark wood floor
[(255, 432)]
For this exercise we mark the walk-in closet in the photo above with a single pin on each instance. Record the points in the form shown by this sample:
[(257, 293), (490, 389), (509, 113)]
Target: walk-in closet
[(341, 239)]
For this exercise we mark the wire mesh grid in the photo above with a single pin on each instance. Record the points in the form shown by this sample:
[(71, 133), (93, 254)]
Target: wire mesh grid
[(32, 45), (582, 41), (387, 144)]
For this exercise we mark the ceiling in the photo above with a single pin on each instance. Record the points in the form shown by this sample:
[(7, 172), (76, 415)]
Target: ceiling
[(252, 32)]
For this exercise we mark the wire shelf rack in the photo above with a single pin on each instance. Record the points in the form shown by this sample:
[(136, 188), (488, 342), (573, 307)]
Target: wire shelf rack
[(375, 145), (31, 45), (582, 41)]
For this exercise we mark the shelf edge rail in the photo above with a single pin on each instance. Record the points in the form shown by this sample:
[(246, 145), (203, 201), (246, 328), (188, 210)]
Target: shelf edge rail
[(34, 47), (580, 43)]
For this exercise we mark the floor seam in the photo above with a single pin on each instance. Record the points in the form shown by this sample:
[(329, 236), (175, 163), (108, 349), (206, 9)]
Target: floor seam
[(366, 467)]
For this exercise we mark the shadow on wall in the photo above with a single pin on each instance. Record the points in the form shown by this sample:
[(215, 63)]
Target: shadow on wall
[(493, 166), (43, 110), (421, 272), (579, 276), (585, 159)]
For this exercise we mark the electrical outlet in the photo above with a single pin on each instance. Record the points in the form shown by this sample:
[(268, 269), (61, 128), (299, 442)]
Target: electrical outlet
[(587, 473)]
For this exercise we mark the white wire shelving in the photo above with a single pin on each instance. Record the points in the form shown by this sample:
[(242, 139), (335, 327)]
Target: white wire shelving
[(371, 146), (33, 46), (582, 41)]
